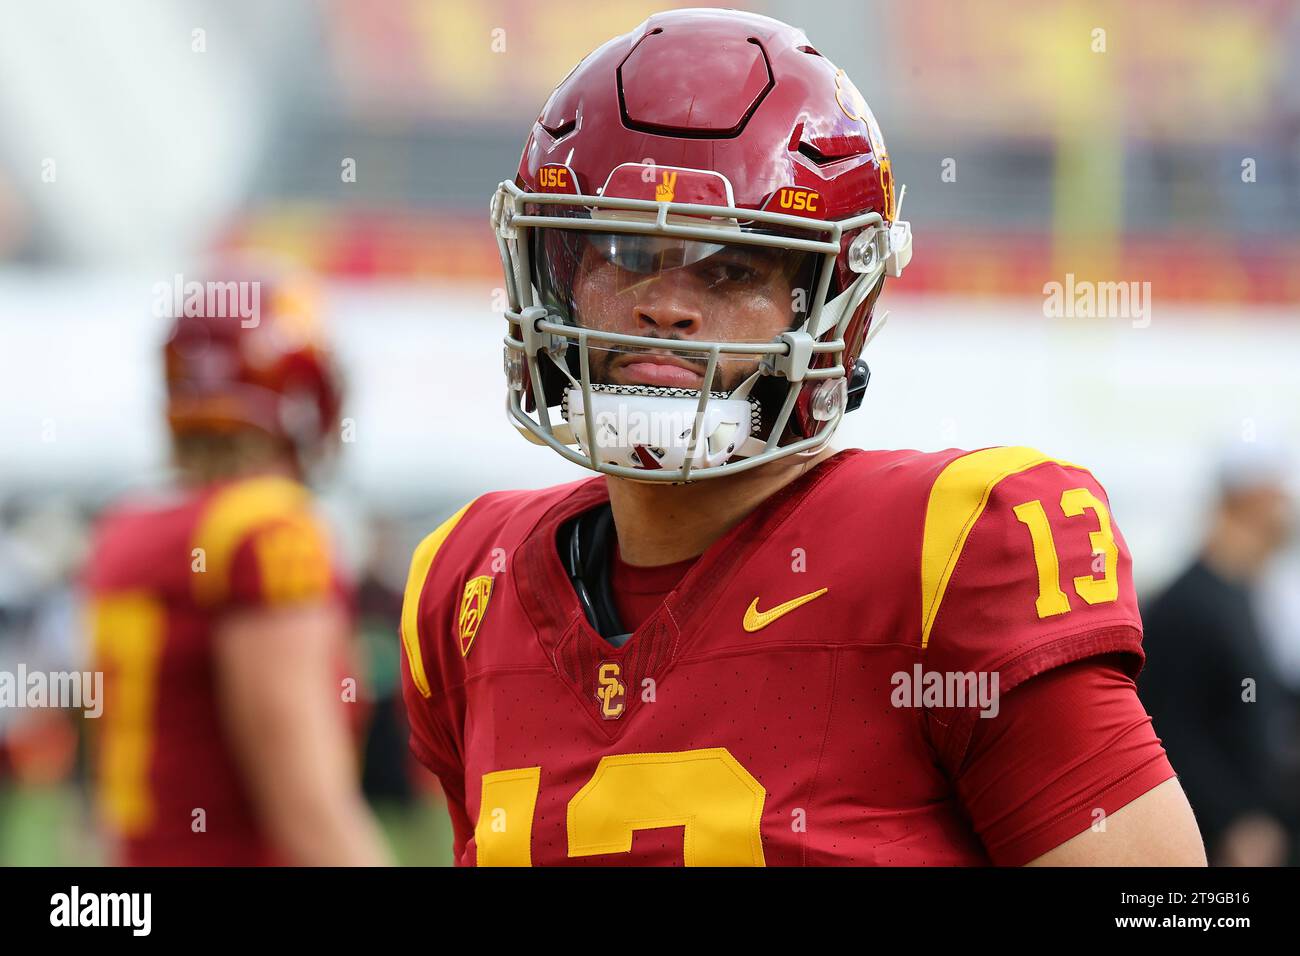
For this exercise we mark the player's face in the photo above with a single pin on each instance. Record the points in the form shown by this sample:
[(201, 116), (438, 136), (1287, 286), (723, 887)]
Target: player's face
[(683, 290)]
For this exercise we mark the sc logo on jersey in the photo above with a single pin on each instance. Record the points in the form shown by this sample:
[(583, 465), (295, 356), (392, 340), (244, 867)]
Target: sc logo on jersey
[(610, 691)]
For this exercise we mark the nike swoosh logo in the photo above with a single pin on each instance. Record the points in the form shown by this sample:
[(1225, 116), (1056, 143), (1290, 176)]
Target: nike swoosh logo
[(756, 620)]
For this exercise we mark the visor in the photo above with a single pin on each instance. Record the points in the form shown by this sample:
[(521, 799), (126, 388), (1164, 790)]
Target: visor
[(733, 290), (674, 289)]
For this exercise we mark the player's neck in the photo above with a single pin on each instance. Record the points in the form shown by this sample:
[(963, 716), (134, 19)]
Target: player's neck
[(662, 524), (201, 476)]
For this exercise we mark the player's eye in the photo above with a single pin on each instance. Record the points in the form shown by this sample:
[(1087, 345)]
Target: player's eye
[(730, 273), (641, 262)]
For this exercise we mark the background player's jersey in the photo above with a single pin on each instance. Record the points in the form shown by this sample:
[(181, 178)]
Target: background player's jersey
[(774, 709), (160, 575)]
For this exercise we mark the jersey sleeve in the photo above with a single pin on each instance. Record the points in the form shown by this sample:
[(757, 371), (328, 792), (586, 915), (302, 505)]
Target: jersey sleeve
[(259, 544), (430, 689), (284, 561), (1023, 569), (1066, 750), (434, 745)]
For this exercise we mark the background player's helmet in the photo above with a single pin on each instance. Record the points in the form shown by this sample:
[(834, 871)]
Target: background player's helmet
[(705, 150), (247, 350)]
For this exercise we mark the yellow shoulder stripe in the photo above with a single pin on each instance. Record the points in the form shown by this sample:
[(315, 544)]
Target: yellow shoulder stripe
[(229, 518), (421, 562), (958, 498)]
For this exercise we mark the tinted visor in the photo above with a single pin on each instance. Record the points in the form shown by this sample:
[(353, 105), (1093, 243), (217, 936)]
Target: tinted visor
[(577, 271), (672, 288)]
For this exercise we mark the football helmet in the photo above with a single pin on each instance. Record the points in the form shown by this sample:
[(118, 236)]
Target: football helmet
[(274, 372), (693, 246)]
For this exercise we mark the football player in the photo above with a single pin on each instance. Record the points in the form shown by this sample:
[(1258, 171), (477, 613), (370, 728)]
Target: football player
[(736, 645), (218, 616)]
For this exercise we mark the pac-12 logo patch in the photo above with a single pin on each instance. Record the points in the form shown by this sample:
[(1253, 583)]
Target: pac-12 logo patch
[(610, 691), (473, 604)]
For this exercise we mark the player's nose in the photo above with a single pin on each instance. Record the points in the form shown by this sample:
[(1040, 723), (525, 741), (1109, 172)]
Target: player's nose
[(668, 306)]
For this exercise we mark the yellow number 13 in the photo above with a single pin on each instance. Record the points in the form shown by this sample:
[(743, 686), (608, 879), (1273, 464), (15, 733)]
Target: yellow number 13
[(1051, 599), (707, 792)]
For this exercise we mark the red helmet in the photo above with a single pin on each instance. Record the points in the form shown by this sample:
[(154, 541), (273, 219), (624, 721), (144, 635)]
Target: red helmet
[(720, 150), (247, 351)]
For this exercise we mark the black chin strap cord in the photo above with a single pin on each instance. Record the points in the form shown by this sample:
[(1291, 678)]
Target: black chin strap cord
[(587, 561)]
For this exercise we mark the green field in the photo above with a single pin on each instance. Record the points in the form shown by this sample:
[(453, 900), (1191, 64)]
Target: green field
[(52, 826)]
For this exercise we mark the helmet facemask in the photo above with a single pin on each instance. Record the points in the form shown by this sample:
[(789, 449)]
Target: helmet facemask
[(672, 339)]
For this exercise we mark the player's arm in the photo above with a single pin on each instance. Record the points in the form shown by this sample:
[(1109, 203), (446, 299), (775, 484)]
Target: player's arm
[(1156, 829), (430, 712), (279, 639), (1069, 771), (1029, 580), (279, 698)]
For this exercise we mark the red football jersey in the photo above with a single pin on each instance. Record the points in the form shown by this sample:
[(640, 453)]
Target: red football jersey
[(160, 575), (758, 715)]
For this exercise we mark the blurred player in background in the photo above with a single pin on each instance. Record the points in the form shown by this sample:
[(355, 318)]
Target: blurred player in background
[(695, 658), (218, 615)]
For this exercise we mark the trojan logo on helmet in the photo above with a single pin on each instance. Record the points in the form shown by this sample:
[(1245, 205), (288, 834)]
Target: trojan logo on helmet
[(700, 226)]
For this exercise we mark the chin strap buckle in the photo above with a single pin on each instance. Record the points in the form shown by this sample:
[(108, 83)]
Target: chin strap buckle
[(857, 385)]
